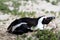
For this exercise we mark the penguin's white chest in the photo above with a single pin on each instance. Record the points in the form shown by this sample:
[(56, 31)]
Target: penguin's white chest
[(39, 26)]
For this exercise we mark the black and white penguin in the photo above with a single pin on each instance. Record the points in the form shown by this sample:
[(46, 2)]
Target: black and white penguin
[(23, 25)]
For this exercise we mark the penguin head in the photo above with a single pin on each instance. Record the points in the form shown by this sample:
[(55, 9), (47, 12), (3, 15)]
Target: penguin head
[(46, 20)]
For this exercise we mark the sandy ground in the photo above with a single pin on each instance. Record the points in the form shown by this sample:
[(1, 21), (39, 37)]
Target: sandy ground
[(3, 28)]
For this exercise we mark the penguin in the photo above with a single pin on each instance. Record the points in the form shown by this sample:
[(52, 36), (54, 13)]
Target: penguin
[(24, 25)]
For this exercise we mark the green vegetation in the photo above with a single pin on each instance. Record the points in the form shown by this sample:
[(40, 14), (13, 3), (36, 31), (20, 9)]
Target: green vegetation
[(48, 0), (46, 35), (24, 14), (59, 13), (4, 8), (30, 38), (58, 35), (53, 2), (47, 12), (52, 12), (43, 10)]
